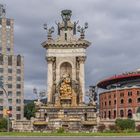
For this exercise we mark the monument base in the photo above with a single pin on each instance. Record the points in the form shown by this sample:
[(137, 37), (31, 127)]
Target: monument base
[(80, 118)]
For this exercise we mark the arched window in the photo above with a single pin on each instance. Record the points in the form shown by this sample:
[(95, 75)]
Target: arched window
[(122, 101), (114, 102), (109, 114), (138, 100), (114, 114), (129, 114), (105, 114), (121, 113), (109, 102), (129, 100), (85, 116)]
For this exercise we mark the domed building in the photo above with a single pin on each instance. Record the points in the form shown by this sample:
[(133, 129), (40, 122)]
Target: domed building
[(121, 96)]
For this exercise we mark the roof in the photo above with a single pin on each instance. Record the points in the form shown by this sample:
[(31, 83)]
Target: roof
[(118, 79)]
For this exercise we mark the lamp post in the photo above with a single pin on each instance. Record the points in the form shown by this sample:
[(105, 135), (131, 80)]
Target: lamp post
[(7, 110), (40, 94)]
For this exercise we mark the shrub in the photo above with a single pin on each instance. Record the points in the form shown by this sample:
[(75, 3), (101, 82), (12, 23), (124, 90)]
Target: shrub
[(125, 124), (113, 128), (138, 128), (3, 124), (101, 127), (60, 130)]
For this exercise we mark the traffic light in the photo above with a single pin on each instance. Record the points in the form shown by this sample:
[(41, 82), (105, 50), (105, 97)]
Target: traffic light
[(1, 81)]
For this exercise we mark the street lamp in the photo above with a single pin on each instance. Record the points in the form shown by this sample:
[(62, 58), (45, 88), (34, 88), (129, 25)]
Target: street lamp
[(40, 94), (7, 110)]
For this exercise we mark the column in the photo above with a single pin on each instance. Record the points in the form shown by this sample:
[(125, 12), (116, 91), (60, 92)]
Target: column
[(81, 60), (50, 61)]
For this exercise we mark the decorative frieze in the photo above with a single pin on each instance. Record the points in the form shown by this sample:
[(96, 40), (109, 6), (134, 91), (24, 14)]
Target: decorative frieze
[(50, 59), (81, 59)]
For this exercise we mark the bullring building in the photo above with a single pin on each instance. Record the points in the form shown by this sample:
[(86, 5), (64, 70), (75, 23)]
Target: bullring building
[(11, 70), (121, 96)]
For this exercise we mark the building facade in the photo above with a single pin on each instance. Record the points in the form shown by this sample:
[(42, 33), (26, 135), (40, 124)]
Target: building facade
[(121, 96), (11, 70)]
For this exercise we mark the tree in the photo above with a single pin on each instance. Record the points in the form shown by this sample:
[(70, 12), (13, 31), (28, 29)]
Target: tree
[(3, 124), (29, 110)]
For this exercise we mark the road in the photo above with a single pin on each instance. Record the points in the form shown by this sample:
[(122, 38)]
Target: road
[(69, 138)]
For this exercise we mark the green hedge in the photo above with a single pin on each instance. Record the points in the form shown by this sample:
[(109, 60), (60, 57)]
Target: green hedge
[(125, 124)]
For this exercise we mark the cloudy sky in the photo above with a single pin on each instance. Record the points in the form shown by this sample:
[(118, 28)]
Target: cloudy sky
[(114, 31)]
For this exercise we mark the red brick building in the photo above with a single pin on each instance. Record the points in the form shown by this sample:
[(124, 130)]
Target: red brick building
[(121, 96)]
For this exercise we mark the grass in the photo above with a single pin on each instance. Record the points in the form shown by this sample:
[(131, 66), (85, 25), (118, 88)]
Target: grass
[(66, 134)]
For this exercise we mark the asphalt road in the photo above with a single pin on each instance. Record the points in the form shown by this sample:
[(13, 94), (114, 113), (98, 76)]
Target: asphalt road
[(69, 138)]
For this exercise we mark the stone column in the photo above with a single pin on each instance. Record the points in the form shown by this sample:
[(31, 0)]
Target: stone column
[(81, 60), (50, 61)]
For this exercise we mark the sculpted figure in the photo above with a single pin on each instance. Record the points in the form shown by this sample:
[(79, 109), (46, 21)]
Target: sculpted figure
[(65, 86)]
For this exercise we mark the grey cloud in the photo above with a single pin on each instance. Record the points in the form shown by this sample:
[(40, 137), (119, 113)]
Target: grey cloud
[(113, 31)]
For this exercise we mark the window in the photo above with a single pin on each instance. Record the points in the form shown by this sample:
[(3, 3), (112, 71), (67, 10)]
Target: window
[(18, 101), (18, 86), (114, 102), (9, 85), (18, 116), (121, 113), (105, 103), (114, 116), (129, 100), (18, 60), (8, 22), (9, 78), (1, 70), (109, 96), (138, 93), (18, 108), (8, 49), (109, 114), (10, 108), (1, 93), (18, 93), (129, 93), (109, 102), (18, 78), (121, 94), (114, 95), (129, 113), (122, 101), (9, 70), (18, 71), (1, 108), (10, 93), (10, 101), (1, 59), (9, 60), (138, 100), (1, 101), (104, 114)]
